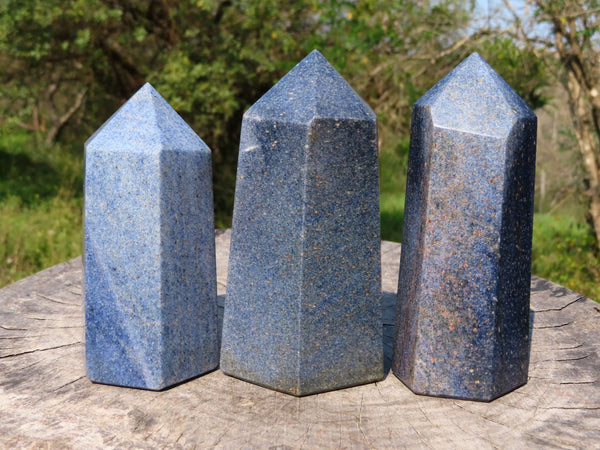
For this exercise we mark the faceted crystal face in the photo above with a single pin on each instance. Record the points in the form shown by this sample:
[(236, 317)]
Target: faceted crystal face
[(463, 292), (302, 313), (150, 279)]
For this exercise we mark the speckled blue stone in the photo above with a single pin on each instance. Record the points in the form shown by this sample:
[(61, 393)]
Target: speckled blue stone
[(149, 249), (463, 293), (302, 313)]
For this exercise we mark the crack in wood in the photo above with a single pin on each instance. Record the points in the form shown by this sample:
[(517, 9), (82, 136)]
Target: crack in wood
[(179, 437), (359, 422), (475, 435), (69, 383), (8, 328), (562, 360), (572, 408), (153, 432), (421, 438), (545, 350), (22, 337), (27, 352), (64, 328), (544, 327), (488, 419), (560, 308), (53, 300), (574, 359), (52, 318), (549, 381)]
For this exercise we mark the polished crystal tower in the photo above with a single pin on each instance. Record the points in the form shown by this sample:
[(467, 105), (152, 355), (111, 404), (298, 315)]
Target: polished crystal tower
[(462, 328), (149, 249), (302, 313)]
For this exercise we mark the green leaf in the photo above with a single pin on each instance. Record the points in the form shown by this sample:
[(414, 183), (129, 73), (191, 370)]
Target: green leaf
[(83, 37)]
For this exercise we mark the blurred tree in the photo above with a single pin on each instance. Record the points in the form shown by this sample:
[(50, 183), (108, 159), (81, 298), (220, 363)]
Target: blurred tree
[(229, 53), (56, 54), (566, 34), (68, 65)]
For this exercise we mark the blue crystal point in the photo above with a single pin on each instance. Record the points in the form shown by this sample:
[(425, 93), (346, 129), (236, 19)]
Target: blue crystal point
[(147, 123), (313, 89), (302, 313), (473, 98), (149, 257), (463, 294)]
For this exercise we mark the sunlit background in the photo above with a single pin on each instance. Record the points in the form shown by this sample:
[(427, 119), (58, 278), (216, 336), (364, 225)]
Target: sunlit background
[(67, 66)]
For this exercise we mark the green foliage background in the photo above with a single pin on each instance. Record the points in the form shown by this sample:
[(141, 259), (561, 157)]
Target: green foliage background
[(67, 66)]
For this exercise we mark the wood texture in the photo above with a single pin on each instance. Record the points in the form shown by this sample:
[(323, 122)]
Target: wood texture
[(47, 401)]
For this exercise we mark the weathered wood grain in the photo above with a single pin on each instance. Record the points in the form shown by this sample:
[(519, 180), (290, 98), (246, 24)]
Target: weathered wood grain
[(47, 401)]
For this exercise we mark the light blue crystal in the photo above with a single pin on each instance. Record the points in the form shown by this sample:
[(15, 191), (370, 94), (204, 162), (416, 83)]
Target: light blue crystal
[(149, 249)]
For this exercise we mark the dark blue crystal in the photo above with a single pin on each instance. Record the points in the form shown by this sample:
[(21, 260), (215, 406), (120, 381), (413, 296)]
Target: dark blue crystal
[(302, 313), (463, 293)]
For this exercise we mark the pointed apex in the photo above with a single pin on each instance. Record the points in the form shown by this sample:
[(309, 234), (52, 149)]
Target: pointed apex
[(477, 66), (476, 58), (145, 123), (473, 98), (312, 89), (147, 87), (315, 56)]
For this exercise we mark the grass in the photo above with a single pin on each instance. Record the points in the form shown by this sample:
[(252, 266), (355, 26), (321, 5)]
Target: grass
[(392, 216), (392, 181), (40, 205), (563, 253), (41, 201)]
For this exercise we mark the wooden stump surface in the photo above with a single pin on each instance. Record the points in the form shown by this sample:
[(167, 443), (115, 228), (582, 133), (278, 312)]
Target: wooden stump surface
[(46, 399)]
